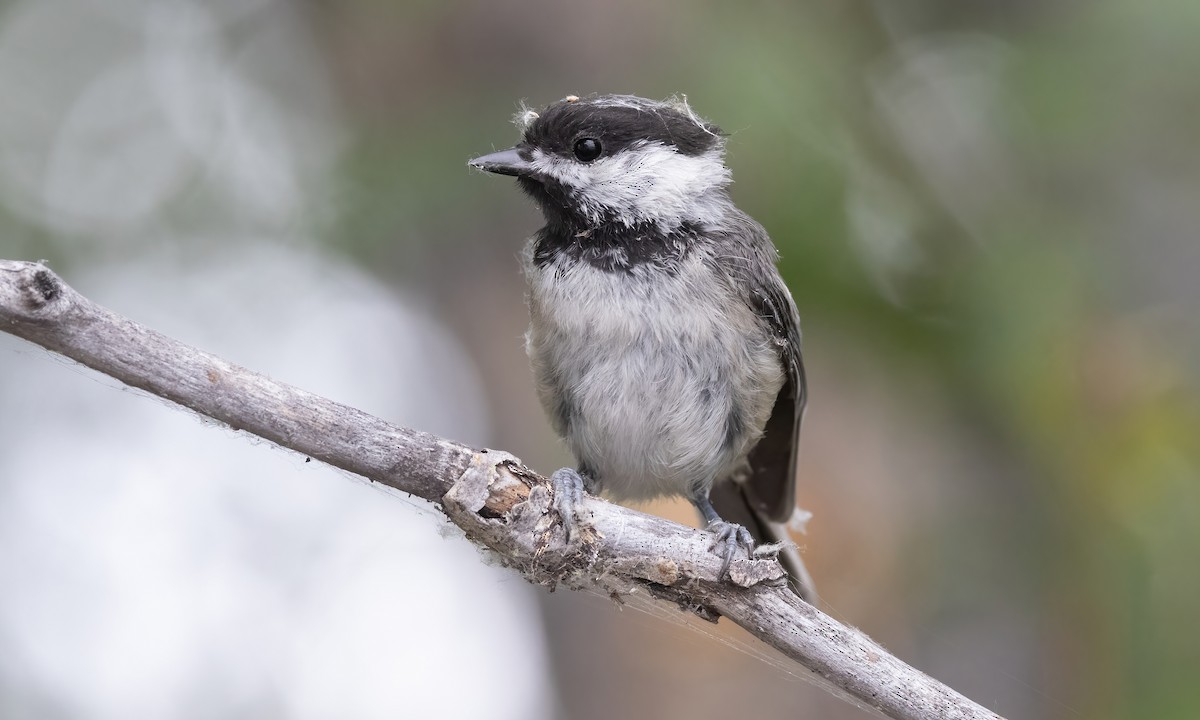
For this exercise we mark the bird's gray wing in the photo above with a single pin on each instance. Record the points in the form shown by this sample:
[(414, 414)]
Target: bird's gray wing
[(747, 260), (772, 483), (767, 498)]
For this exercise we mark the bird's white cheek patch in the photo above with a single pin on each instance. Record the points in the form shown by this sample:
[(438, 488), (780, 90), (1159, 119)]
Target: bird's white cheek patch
[(645, 183), (569, 173)]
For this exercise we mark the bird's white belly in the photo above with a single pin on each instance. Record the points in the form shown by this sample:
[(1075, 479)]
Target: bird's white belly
[(660, 383)]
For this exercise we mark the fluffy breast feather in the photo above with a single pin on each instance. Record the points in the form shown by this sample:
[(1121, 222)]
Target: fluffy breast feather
[(660, 381)]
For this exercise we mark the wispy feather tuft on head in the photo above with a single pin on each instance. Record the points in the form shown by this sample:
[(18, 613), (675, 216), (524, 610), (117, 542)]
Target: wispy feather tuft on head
[(524, 116)]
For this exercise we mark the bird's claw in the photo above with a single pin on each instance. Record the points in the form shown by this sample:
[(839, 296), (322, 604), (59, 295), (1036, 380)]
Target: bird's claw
[(730, 537), (568, 494)]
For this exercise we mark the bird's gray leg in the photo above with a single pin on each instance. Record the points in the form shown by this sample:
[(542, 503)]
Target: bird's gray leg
[(730, 536), (569, 487)]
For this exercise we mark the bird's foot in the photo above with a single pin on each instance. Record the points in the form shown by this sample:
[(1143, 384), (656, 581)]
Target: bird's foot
[(730, 537), (568, 495)]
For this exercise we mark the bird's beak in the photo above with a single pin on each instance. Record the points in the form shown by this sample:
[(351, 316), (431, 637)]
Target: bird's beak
[(505, 162)]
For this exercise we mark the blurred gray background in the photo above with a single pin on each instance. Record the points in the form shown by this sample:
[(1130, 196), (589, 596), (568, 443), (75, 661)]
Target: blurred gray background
[(988, 216)]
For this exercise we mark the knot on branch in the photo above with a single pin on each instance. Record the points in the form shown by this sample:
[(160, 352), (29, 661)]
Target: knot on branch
[(46, 286), (35, 288)]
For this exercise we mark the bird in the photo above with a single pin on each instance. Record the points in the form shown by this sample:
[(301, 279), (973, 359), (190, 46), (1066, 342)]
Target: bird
[(664, 343)]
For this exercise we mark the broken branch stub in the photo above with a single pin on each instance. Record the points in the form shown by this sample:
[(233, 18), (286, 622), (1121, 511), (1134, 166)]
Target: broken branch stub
[(503, 505)]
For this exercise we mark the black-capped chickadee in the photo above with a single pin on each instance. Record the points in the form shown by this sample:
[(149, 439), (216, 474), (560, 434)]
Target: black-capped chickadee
[(665, 345)]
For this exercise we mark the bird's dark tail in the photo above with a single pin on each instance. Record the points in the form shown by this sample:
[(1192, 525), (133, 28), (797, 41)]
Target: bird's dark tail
[(730, 501)]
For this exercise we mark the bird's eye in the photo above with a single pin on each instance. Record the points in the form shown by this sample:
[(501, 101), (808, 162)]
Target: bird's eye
[(587, 149)]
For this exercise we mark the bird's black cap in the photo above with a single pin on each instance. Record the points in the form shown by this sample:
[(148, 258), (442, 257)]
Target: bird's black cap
[(618, 121)]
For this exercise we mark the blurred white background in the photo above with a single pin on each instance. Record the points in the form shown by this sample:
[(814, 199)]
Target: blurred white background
[(154, 567)]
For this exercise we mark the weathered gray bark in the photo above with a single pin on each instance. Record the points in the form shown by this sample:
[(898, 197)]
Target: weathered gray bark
[(496, 500)]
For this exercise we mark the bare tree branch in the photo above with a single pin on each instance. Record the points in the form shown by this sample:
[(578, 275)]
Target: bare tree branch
[(496, 500)]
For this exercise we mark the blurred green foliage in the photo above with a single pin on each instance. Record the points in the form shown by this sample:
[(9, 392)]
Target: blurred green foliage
[(965, 189)]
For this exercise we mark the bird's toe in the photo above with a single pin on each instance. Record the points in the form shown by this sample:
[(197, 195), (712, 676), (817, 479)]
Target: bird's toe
[(729, 538), (568, 494)]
